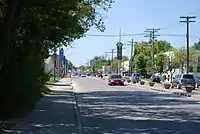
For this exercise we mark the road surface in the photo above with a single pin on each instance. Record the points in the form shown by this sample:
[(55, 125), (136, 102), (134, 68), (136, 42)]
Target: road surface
[(126, 110)]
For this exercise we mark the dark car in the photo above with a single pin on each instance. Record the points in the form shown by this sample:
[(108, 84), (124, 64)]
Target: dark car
[(183, 80), (115, 79), (155, 78), (197, 79)]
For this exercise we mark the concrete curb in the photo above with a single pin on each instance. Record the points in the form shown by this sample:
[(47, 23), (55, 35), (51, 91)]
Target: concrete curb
[(162, 90), (177, 93), (77, 111)]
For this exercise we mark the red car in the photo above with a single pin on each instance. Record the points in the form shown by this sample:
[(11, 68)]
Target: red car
[(115, 79)]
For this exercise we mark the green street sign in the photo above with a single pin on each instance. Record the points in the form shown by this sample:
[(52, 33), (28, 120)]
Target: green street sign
[(119, 51)]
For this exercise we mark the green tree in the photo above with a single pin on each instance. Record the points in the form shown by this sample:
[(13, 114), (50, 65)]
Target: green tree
[(29, 29), (71, 66), (160, 61), (162, 46), (125, 58), (140, 63), (197, 45), (180, 57)]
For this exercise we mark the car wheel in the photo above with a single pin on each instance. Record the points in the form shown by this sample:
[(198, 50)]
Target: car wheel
[(178, 86), (196, 85), (172, 86)]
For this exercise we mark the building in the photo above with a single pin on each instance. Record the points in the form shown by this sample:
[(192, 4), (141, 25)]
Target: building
[(60, 65), (125, 66), (106, 69)]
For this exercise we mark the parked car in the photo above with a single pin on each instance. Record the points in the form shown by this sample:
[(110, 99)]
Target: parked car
[(136, 76), (183, 80), (84, 75), (115, 79), (197, 80), (155, 78)]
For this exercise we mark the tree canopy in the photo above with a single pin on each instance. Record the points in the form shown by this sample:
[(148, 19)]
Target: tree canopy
[(29, 29)]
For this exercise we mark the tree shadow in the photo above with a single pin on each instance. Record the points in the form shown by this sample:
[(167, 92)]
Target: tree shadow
[(115, 112), (54, 114), (125, 112)]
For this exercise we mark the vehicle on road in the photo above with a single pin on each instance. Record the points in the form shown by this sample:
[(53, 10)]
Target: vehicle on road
[(136, 76), (84, 75), (115, 79), (155, 78), (183, 80), (197, 79), (127, 77)]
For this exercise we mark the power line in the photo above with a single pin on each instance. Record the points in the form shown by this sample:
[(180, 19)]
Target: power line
[(161, 34), (187, 21), (113, 35)]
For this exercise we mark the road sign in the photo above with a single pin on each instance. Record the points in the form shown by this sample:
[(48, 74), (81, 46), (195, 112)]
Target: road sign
[(61, 51), (119, 51), (119, 44)]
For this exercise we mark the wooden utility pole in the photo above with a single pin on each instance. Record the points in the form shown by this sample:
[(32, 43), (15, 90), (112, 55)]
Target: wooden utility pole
[(187, 21), (112, 58), (152, 37), (131, 55)]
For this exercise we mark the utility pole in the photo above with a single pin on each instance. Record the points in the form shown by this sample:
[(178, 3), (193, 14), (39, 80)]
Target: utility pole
[(187, 21), (152, 37), (106, 55), (112, 58), (131, 55)]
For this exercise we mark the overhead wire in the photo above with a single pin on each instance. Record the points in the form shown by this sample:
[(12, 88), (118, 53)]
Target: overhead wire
[(138, 34)]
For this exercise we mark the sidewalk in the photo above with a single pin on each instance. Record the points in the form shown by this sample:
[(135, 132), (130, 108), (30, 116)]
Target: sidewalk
[(54, 113), (160, 88), (63, 85)]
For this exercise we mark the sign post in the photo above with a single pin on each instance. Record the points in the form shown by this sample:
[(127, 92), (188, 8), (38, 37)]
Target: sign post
[(61, 54)]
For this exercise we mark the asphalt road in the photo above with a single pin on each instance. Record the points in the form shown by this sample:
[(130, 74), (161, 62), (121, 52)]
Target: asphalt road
[(126, 110)]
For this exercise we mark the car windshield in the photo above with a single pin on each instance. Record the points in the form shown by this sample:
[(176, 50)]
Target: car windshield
[(116, 76), (127, 74), (188, 76)]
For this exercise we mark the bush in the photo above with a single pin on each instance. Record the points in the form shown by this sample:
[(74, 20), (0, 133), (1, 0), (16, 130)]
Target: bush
[(23, 82)]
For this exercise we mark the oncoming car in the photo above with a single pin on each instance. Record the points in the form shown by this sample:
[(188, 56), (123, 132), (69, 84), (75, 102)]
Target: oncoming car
[(115, 79)]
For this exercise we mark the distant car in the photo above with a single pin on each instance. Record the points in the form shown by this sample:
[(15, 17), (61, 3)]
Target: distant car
[(183, 80), (83, 75), (155, 78), (115, 79)]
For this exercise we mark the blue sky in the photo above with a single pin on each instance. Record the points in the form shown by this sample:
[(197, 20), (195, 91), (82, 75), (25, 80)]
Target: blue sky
[(133, 17)]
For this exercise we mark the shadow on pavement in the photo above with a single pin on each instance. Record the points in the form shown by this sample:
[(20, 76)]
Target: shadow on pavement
[(115, 112), (138, 112), (54, 114)]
